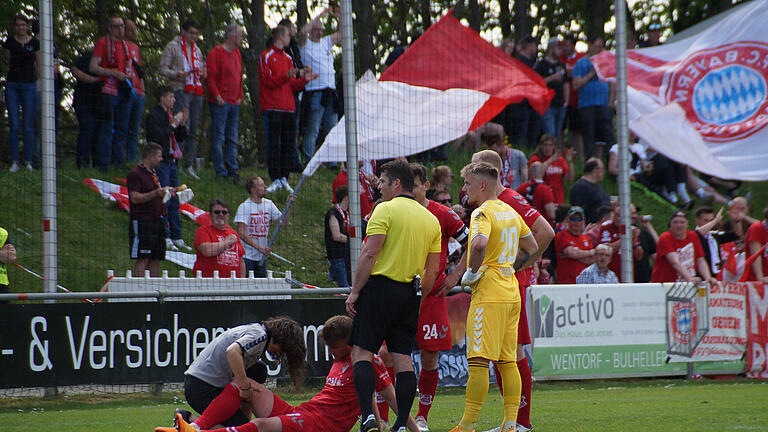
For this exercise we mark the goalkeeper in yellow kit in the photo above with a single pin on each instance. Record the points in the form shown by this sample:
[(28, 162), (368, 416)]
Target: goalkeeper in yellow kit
[(498, 238)]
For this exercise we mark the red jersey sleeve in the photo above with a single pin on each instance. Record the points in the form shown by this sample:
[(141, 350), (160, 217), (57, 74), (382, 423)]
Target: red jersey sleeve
[(521, 206), (100, 50), (212, 73), (382, 376), (203, 235), (665, 245), (561, 241), (451, 223), (753, 233)]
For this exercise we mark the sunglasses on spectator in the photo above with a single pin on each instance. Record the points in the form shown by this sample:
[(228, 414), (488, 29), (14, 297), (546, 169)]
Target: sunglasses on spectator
[(221, 212), (445, 201), (576, 218)]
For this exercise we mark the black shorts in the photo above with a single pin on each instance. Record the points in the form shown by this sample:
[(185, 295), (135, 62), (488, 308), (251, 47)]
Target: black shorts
[(386, 310), (200, 394), (146, 239), (573, 119)]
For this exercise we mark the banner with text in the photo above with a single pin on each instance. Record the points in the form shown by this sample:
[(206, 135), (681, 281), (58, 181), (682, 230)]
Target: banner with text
[(757, 334), (727, 335), (592, 331), (126, 343)]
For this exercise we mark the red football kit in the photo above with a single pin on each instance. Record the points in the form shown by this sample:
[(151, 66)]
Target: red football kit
[(434, 331), (335, 408)]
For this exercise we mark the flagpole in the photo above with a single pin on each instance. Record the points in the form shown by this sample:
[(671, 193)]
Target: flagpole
[(48, 150), (623, 140), (350, 118)]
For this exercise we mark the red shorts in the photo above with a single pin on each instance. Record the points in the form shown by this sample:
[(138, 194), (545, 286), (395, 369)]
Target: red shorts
[(433, 332), (523, 281), (293, 419)]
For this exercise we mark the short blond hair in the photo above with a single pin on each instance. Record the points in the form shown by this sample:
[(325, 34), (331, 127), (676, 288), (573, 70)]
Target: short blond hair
[(488, 156), (481, 169)]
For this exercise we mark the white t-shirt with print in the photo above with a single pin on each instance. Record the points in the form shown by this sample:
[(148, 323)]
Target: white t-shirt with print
[(257, 217)]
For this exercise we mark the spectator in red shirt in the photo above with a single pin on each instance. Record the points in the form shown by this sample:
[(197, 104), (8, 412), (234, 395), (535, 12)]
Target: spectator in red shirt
[(224, 76), (538, 193), (757, 237), (558, 166), (278, 80), (573, 248), (610, 234), (218, 246), (110, 62), (679, 254)]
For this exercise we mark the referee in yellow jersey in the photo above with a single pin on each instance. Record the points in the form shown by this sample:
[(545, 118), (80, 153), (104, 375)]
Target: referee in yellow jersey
[(498, 238), (402, 241)]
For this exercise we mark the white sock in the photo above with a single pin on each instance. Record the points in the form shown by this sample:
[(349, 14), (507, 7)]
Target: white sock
[(701, 193), (683, 192)]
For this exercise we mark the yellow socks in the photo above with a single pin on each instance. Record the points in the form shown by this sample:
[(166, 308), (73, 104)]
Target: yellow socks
[(510, 378), (477, 389)]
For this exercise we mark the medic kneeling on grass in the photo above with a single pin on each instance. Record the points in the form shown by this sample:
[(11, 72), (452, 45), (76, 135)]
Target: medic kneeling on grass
[(334, 409)]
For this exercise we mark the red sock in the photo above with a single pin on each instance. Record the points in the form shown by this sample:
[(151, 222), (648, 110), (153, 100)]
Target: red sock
[(524, 412), (248, 427), (383, 407), (220, 409), (498, 378), (391, 372), (427, 388)]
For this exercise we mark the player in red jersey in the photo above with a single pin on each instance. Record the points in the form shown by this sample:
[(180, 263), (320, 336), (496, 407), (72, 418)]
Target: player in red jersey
[(543, 233), (433, 333), (334, 409)]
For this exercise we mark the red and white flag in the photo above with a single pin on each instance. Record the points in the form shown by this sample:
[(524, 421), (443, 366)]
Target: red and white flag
[(119, 194), (703, 100), (449, 82)]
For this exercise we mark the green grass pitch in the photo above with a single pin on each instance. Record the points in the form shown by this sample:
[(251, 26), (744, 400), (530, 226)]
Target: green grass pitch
[(638, 405)]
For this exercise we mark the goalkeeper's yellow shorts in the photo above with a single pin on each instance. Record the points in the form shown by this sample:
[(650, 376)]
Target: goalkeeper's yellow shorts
[(492, 331)]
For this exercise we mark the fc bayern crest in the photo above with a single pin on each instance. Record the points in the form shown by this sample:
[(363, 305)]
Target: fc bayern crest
[(683, 320), (723, 90)]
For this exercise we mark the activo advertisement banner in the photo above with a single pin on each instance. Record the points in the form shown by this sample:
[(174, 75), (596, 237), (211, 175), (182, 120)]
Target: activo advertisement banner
[(591, 331)]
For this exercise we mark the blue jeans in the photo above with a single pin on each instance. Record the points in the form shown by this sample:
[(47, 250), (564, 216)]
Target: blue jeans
[(112, 140), (135, 111), (21, 96), (194, 104), (224, 120), (337, 270), (552, 121), (317, 115), (259, 268), (168, 174), (86, 138)]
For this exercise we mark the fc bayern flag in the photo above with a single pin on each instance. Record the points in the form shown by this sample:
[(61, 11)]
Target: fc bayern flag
[(703, 100), (449, 82)]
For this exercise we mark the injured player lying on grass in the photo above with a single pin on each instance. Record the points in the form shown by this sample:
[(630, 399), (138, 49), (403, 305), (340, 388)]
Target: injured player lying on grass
[(334, 409)]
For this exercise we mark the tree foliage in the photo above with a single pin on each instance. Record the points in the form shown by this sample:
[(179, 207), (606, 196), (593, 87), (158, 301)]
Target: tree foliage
[(380, 25)]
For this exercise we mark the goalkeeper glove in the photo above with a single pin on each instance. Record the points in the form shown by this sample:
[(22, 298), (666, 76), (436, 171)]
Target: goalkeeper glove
[(471, 277)]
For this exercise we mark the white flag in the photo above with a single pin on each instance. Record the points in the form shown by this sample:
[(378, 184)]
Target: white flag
[(703, 101)]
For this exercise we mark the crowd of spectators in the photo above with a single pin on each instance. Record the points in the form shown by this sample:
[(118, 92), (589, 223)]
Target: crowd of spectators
[(300, 104)]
